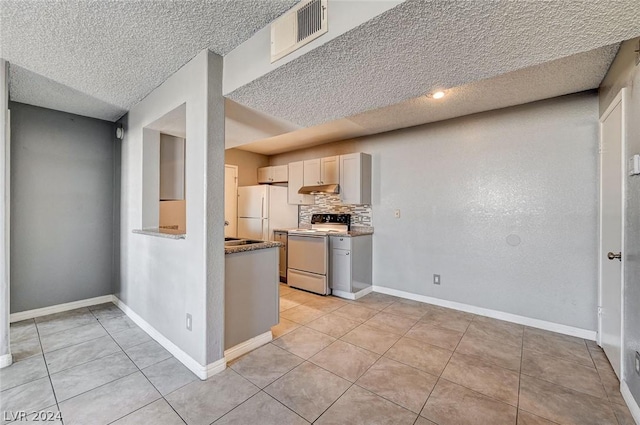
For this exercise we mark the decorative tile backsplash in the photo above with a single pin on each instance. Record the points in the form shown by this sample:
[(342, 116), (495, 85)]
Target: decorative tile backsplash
[(330, 204)]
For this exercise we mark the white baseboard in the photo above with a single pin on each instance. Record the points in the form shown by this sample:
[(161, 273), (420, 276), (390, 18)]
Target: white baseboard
[(352, 295), (38, 312), (508, 317), (632, 404), (202, 372), (244, 347), (6, 360)]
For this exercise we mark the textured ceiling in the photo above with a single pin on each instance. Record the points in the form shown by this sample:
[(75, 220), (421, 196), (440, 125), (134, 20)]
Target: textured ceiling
[(422, 45), (116, 52), (572, 74)]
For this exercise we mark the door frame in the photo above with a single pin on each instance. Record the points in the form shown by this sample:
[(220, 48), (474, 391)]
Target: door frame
[(236, 190), (619, 99)]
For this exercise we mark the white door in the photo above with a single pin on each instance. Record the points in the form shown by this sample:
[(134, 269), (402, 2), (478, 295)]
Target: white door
[(230, 200), (612, 175)]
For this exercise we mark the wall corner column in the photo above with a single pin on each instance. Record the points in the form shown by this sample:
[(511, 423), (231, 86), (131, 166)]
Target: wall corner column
[(5, 345), (215, 210)]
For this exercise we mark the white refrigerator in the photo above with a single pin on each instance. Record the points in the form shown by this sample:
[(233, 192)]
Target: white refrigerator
[(263, 208)]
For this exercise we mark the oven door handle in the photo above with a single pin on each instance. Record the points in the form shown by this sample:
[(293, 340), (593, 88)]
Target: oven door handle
[(303, 235)]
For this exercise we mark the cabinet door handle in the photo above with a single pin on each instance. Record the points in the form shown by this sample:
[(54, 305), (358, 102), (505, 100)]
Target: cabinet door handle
[(348, 253)]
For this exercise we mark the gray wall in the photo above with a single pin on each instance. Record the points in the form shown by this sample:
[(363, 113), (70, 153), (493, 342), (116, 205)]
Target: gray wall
[(62, 177), (162, 280), (625, 73), (214, 213), (465, 185)]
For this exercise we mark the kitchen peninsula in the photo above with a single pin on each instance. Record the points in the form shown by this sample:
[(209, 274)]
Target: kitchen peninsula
[(251, 294)]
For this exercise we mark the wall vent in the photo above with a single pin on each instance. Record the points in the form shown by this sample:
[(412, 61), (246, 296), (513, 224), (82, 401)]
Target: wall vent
[(299, 26)]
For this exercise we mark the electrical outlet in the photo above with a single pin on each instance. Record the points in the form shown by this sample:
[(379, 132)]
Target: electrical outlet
[(436, 279), (189, 322), (396, 213), (637, 363)]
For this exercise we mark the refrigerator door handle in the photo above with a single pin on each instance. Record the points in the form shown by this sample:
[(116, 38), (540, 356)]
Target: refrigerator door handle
[(262, 215)]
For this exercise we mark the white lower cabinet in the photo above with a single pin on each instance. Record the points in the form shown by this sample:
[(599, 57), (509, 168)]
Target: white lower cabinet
[(341, 270), (351, 264)]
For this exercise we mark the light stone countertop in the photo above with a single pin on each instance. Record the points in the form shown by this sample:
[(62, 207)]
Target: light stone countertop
[(162, 233), (232, 249), (355, 231)]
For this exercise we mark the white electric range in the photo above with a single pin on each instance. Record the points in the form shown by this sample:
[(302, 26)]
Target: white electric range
[(308, 252)]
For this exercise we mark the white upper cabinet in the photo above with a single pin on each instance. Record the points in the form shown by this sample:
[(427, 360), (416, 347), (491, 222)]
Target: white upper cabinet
[(273, 174), (296, 181), (264, 175), (322, 171), (330, 170), (355, 178), (312, 172)]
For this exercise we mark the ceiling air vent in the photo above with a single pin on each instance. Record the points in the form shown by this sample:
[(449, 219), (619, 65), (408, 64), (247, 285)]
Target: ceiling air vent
[(299, 26)]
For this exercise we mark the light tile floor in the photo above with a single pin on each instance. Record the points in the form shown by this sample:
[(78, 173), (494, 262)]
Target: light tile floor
[(378, 360)]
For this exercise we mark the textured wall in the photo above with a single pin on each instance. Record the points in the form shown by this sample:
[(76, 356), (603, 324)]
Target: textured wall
[(248, 164), (164, 279), (464, 186), (625, 73), (214, 211), (62, 176)]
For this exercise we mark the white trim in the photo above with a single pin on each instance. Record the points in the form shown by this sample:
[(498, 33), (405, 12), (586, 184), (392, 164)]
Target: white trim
[(508, 317), (249, 345), (202, 372), (352, 295), (215, 367), (632, 404), (6, 360), (30, 314)]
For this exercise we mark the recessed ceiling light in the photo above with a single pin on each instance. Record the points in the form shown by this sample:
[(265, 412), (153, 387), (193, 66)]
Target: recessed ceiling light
[(438, 95)]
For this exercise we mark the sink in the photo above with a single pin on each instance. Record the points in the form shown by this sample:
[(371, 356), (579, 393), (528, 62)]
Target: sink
[(236, 242)]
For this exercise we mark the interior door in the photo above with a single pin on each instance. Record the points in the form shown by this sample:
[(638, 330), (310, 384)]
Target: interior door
[(230, 201), (611, 232)]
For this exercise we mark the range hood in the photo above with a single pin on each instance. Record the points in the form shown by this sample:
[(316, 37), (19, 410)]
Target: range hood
[(323, 188)]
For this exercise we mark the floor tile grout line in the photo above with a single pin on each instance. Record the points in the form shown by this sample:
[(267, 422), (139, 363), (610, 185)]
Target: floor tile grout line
[(568, 388), (604, 388), (83, 363), (31, 380), (53, 390), (380, 357), (443, 369), (142, 407), (73, 345), (557, 357), (520, 376), (143, 374), (538, 416)]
